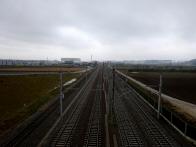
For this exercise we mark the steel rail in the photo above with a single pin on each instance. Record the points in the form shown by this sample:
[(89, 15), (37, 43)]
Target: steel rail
[(64, 135), (152, 128)]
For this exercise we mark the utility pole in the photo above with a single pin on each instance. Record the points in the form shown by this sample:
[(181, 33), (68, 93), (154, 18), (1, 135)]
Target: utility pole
[(102, 75), (61, 93), (86, 72), (113, 72), (159, 100), (47, 61), (113, 88)]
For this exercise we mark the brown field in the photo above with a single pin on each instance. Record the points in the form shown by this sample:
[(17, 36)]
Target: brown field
[(39, 69), (181, 85), (20, 96)]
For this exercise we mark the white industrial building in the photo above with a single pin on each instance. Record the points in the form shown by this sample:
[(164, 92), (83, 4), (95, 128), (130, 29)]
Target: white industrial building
[(70, 60)]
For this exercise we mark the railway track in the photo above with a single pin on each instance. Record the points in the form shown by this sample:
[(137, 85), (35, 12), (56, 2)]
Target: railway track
[(95, 133), (83, 120), (18, 139), (84, 126), (129, 135), (34, 129), (127, 129), (140, 115), (64, 136)]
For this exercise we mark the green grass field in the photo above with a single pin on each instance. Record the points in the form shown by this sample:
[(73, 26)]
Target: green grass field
[(21, 96)]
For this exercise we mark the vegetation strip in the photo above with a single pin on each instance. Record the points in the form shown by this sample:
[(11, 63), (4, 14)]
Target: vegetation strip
[(21, 96)]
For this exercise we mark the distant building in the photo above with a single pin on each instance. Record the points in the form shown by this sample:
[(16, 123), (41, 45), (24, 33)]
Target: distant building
[(148, 62), (5, 62), (70, 60)]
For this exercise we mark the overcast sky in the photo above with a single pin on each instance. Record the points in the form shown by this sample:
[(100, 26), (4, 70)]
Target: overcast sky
[(106, 29)]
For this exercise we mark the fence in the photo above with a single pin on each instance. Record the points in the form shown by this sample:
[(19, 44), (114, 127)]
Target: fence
[(177, 120)]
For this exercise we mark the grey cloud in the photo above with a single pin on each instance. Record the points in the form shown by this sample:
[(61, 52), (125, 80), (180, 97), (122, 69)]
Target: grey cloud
[(107, 26)]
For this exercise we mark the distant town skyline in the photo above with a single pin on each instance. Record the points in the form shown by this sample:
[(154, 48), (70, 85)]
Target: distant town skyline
[(107, 30)]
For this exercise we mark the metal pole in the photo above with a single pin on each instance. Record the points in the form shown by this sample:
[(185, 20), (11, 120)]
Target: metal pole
[(113, 84), (61, 93), (113, 93), (102, 75), (86, 73), (127, 75), (159, 100), (185, 129)]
